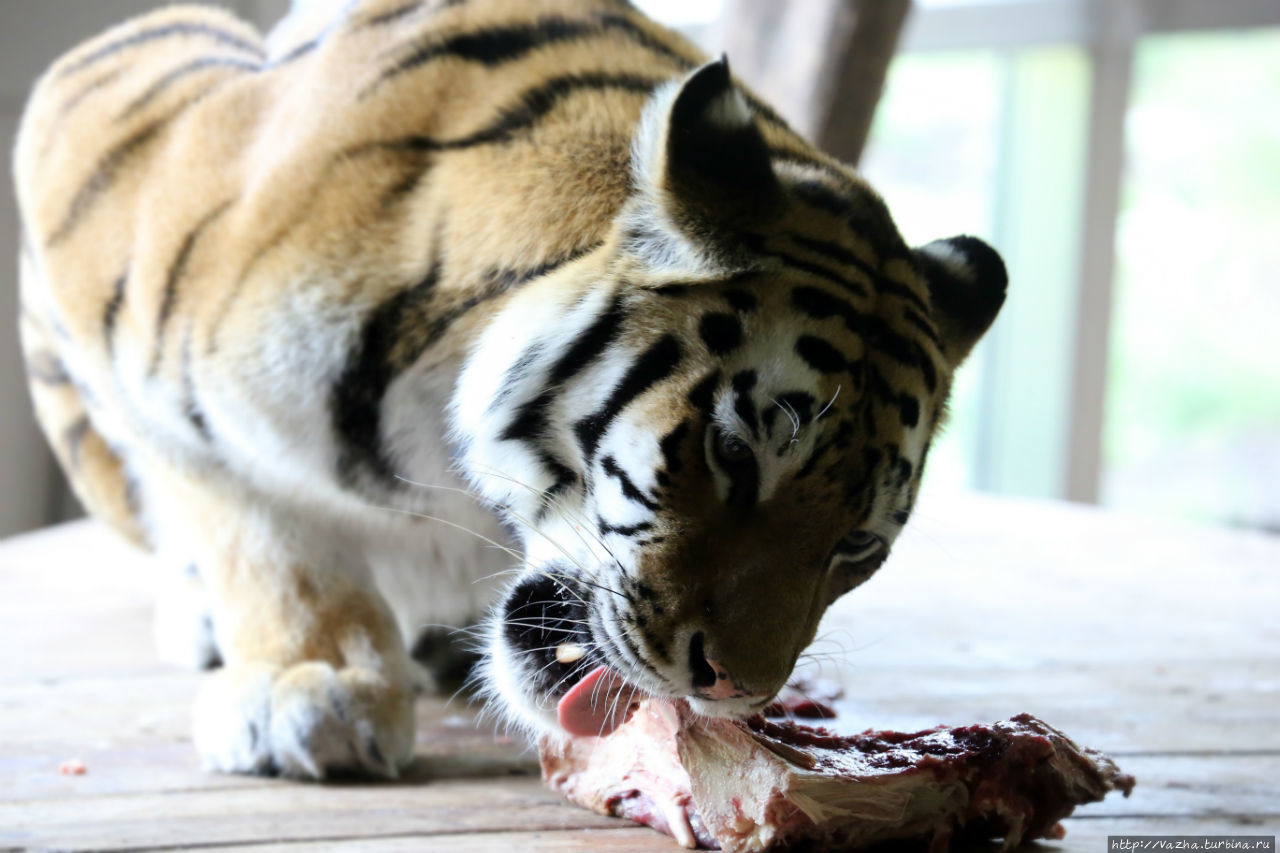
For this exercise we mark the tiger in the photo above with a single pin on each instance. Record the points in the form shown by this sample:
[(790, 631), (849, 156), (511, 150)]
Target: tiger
[(523, 315)]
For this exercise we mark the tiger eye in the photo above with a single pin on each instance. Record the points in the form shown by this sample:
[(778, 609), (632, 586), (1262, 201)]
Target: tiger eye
[(730, 448)]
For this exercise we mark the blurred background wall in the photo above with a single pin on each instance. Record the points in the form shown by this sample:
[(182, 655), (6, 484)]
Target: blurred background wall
[(1124, 155)]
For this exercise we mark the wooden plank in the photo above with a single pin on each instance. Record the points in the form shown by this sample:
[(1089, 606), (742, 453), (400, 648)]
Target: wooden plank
[(132, 747), (133, 735), (76, 600), (283, 810), (624, 837), (986, 583), (1083, 836), (1233, 705), (1209, 786), (1212, 788)]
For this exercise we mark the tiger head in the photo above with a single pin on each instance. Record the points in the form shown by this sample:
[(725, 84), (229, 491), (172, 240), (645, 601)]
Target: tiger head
[(713, 426)]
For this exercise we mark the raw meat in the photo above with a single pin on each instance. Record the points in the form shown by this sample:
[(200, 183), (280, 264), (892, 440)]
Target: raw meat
[(760, 785)]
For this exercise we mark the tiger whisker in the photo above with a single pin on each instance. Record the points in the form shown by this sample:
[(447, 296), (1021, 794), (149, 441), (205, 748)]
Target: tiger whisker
[(829, 404), (452, 524), (791, 414), (579, 521)]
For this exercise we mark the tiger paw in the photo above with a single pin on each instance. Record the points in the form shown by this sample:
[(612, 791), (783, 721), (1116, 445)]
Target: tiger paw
[(303, 721)]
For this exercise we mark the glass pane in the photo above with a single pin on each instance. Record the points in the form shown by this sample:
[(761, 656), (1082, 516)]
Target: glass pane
[(1193, 405)]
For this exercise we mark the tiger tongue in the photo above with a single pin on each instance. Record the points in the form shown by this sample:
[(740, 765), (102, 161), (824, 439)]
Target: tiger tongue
[(597, 704)]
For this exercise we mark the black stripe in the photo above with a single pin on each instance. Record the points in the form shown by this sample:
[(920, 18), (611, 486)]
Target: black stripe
[(902, 292), (563, 478), (497, 282), (670, 445), (356, 399), (869, 217), (647, 40), (88, 89), (530, 421), (918, 320), (395, 335), (588, 346), (854, 287), (177, 269), (393, 15), (742, 301), (490, 47), (821, 355), (103, 176), (497, 45), (191, 405), (516, 376), (384, 18), (721, 332), (927, 368), (108, 168), (111, 312), (904, 351), (820, 305), (743, 382), (629, 489), (744, 483), (768, 417), (297, 53), (531, 106), (671, 288), (186, 69), (908, 406), (824, 198), (402, 188), (73, 439), (161, 32), (656, 364), (837, 253), (702, 395), (909, 410), (606, 528), (801, 403), (756, 242), (46, 368), (812, 461)]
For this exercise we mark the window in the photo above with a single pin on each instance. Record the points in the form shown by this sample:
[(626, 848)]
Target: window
[(1192, 422)]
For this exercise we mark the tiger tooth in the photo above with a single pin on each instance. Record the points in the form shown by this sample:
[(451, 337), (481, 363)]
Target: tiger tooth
[(569, 652)]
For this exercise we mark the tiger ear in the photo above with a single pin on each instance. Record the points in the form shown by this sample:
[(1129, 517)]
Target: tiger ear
[(700, 165), (967, 281)]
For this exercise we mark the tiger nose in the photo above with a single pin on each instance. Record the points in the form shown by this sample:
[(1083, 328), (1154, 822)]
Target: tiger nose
[(711, 679)]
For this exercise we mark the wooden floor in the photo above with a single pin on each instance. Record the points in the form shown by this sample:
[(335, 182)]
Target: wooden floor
[(1159, 644)]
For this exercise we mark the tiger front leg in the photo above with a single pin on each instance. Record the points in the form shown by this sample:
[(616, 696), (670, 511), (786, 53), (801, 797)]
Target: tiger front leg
[(315, 675)]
